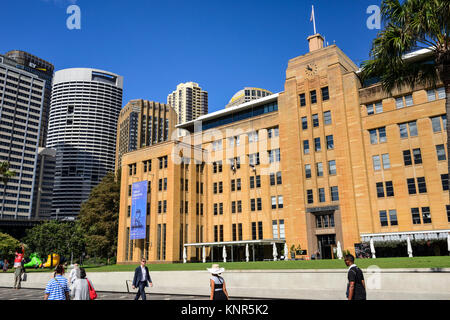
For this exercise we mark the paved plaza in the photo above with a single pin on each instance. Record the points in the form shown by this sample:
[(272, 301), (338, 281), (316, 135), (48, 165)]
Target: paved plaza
[(36, 294)]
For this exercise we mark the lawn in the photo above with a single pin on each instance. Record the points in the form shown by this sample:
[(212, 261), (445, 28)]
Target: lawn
[(384, 263)]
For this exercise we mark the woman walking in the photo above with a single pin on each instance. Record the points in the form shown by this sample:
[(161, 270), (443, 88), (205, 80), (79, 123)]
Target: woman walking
[(57, 288), (217, 283), (80, 287), (18, 266)]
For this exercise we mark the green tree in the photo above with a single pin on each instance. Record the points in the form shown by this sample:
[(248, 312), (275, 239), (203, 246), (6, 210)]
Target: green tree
[(411, 25), (99, 218), (5, 175), (8, 246), (63, 238)]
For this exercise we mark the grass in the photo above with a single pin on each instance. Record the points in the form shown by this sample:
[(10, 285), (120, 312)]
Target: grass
[(383, 263)]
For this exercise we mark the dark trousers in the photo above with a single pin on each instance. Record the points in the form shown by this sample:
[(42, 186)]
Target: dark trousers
[(141, 291)]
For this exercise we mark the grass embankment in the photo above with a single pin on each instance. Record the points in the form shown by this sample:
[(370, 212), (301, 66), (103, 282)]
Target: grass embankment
[(383, 263)]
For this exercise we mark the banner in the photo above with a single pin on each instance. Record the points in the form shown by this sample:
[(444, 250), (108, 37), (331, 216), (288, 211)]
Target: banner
[(138, 210)]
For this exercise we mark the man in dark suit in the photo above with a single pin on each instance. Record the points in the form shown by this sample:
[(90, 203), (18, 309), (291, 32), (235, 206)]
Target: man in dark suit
[(141, 280)]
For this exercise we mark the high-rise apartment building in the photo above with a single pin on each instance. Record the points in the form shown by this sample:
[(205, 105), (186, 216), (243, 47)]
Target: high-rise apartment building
[(143, 123), (22, 97), (328, 160), (189, 101), (247, 94), (85, 106)]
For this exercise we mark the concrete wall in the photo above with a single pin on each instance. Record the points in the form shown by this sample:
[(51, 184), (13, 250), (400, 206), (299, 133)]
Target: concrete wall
[(393, 284)]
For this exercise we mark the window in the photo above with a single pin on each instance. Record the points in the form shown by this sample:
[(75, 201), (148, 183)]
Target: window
[(330, 142), (274, 156), (315, 120), (444, 179), (307, 171), (259, 204), (252, 183), (412, 126), (441, 93), (305, 123), (411, 186), (426, 215), (334, 193), (215, 209), (447, 207), (257, 180), (376, 163), (221, 208), (436, 124), (233, 207), (129, 190), (319, 168), (233, 185), (393, 217), (252, 204), (282, 233), (399, 103), (374, 108), (317, 146), (260, 230), (217, 145), (440, 151), (415, 216), (380, 190), (280, 202), (417, 156), (279, 180), (327, 117), (421, 184), (431, 95), (306, 146), (321, 195), (313, 95), (377, 135), (325, 94), (409, 100), (272, 132), (238, 184), (252, 137), (332, 167), (407, 157), (386, 161), (275, 229), (309, 195), (389, 189), (302, 100), (383, 218), (274, 202), (370, 109), (239, 206), (254, 159)]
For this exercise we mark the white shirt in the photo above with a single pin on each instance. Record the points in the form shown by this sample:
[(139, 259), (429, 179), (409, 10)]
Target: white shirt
[(73, 275), (143, 273), (80, 290)]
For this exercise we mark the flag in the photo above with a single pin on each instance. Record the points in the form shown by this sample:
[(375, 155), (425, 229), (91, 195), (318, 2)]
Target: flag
[(312, 14)]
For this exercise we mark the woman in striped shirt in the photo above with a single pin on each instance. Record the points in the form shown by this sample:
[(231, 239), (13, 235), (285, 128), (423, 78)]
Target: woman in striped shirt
[(57, 288)]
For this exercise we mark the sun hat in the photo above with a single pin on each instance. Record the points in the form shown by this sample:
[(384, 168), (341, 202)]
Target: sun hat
[(215, 269)]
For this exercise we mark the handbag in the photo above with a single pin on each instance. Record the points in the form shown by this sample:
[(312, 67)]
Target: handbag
[(92, 293), (24, 277)]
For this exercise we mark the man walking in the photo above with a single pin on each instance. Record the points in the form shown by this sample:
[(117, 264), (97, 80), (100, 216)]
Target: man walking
[(356, 288), (141, 280)]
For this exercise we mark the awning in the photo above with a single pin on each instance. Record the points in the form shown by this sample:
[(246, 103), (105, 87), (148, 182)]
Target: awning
[(231, 243), (402, 236)]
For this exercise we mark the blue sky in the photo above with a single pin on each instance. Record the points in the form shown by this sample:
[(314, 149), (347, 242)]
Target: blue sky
[(222, 45)]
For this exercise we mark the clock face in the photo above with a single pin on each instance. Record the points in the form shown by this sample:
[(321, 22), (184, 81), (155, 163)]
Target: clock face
[(311, 69)]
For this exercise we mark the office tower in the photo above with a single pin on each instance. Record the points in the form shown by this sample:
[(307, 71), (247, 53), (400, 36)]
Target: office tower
[(189, 101), (247, 94), (85, 106), (330, 159), (22, 97), (143, 123)]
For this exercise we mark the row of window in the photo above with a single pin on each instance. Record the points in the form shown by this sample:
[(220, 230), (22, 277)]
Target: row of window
[(313, 96), (415, 185), (406, 101), (315, 120), (408, 129), (319, 169), (334, 194), (418, 215), (318, 145)]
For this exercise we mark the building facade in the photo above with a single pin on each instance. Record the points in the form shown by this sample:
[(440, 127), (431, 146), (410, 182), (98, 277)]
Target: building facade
[(247, 94), (329, 160), (143, 123), (85, 106), (21, 106), (189, 101)]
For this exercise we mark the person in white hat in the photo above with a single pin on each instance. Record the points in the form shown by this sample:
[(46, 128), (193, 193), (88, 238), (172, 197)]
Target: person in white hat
[(218, 288)]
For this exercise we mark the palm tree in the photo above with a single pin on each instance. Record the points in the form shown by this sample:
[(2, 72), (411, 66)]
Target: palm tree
[(408, 26), (5, 175)]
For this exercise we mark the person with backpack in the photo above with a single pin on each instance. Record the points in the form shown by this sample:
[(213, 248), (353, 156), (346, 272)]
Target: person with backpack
[(82, 288), (18, 266), (58, 286), (356, 287), (217, 283)]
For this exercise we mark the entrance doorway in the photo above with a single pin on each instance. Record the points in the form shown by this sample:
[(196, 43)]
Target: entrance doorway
[(326, 244)]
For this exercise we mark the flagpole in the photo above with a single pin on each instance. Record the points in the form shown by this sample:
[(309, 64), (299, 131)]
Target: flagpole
[(314, 20)]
